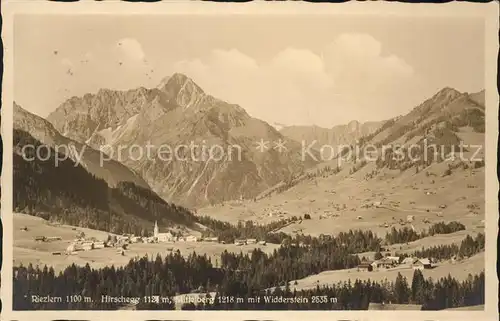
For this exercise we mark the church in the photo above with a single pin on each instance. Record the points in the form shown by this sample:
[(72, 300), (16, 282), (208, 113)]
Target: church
[(162, 237)]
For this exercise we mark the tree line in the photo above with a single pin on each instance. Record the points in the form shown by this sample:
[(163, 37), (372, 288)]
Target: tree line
[(173, 274), (467, 248), (447, 292), (406, 234), (176, 274), (69, 194)]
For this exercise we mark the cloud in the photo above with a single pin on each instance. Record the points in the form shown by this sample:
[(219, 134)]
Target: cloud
[(350, 79), (371, 82), (363, 52), (131, 48), (285, 88)]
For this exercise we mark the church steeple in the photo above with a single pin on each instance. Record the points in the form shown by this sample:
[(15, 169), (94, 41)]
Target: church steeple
[(155, 231)]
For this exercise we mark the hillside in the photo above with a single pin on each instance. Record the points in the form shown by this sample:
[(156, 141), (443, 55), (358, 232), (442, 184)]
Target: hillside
[(69, 194), (376, 191), (178, 114), (335, 136), (111, 171)]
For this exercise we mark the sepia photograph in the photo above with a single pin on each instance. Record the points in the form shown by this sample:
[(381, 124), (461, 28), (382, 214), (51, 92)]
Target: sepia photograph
[(219, 160)]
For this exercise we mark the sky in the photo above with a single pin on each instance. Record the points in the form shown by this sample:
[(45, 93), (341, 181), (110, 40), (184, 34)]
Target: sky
[(292, 70)]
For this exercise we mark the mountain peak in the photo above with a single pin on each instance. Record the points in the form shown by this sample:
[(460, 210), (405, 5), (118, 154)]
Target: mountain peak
[(353, 126), (175, 80), (179, 77), (182, 89), (448, 92)]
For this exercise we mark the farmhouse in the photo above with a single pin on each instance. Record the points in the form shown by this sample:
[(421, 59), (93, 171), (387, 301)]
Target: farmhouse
[(136, 239), (123, 238), (191, 238), (251, 241), (211, 239), (262, 242), (87, 246), (422, 264), (240, 242), (40, 238), (409, 261), (394, 258), (365, 266), (53, 238), (99, 245), (387, 262)]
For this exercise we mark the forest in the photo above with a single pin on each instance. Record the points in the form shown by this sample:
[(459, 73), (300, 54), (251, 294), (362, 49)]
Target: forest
[(407, 234), (42, 189), (467, 248), (239, 278), (246, 275)]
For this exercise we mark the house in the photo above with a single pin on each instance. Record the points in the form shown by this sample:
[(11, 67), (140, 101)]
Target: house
[(87, 246), (240, 242), (409, 261), (165, 237), (71, 248), (393, 307), (394, 258), (365, 266), (422, 264), (211, 239), (191, 238), (136, 239), (40, 238), (387, 262), (123, 239), (251, 241), (262, 243), (99, 245)]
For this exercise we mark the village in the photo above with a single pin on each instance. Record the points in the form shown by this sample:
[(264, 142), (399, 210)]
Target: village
[(390, 262), (122, 242)]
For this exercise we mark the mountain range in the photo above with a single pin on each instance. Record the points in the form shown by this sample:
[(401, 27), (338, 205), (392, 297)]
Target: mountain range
[(42, 130), (335, 136), (179, 113)]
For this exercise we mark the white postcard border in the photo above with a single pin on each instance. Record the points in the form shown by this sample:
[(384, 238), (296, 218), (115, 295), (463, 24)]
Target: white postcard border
[(489, 11)]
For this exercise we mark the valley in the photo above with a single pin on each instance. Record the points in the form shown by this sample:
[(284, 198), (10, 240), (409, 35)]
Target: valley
[(320, 219), (28, 251)]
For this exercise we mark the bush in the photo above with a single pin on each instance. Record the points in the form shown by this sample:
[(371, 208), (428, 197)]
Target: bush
[(307, 217)]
